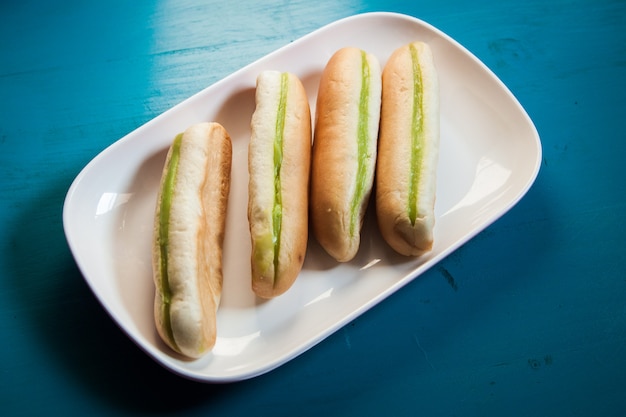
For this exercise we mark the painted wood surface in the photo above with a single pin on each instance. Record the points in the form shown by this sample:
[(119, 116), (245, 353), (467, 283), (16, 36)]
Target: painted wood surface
[(527, 319)]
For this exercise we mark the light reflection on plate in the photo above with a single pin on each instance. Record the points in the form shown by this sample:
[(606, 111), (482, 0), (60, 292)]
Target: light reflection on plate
[(489, 157)]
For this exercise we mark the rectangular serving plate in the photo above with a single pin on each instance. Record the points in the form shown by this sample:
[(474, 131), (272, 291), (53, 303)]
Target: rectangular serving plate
[(489, 157)]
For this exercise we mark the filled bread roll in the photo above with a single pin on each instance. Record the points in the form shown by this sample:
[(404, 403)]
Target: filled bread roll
[(344, 150), (408, 150), (188, 238), (279, 162)]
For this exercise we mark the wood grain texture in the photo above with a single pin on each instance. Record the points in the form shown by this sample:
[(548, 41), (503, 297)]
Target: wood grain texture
[(526, 319)]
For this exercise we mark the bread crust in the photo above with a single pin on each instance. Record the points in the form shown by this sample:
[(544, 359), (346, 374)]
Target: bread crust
[(403, 133), (187, 251), (272, 277), (336, 154)]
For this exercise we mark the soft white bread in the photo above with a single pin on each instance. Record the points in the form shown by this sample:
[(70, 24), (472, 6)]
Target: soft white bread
[(188, 238), (408, 150), (344, 150), (279, 160)]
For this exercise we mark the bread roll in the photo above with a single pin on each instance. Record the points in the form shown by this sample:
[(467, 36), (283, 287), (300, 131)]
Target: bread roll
[(188, 238), (408, 150), (344, 150), (279, 162)]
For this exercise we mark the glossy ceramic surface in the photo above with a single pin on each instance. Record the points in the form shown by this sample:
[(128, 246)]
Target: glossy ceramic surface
[(490, 155)]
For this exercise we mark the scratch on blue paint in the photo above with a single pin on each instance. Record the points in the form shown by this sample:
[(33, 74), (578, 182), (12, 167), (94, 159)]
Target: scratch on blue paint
[(419, 346)]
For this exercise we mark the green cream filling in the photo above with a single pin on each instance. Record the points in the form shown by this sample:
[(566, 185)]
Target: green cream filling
[(417, 135), (164, 221), (267, 245), (263, 244), (363, 139), (277, 210)]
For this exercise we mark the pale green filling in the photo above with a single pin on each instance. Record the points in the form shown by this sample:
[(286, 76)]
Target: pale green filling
[(262, 245), (164, 221), (417, 136), (266, 246), (363, 139), (277, 210)]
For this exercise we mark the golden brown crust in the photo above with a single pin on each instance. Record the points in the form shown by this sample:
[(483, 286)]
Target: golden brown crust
[(187, 299), (268, 282), (215, 191), (394, 164), (336, 152)]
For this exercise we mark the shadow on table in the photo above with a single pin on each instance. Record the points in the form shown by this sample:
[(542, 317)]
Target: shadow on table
[(73, 329)]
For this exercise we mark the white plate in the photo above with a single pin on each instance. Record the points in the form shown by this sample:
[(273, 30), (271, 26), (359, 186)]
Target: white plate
[(490, 155)]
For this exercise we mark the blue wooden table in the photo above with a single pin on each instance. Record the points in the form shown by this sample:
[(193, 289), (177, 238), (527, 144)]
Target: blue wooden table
[(535, 323)]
